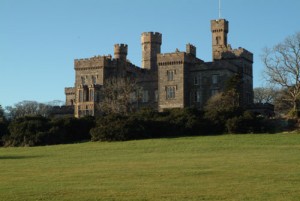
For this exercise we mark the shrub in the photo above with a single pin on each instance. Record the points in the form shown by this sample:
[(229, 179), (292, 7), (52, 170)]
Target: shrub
[(118, 128), (148, 123), (70, 129), (249, 123), (38, 130), (27, 131)]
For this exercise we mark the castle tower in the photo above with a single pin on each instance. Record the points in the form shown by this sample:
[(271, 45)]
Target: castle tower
[(120, 51), (219, 29), (151, 42)]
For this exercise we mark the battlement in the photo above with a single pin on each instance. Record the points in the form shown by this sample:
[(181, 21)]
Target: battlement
[(171, 58), (121, 46), (241, 52), (120, 51), (151, 37), (95, 61), (94, 58), (220, 25), (69, 90), (191, 49)]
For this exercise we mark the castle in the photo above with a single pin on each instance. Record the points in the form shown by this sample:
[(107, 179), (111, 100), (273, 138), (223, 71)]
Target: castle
[(168, 80)]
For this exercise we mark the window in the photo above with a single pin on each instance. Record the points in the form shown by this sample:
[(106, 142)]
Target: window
[(94, 79), (145, 97), (218, 40), (197, 96), (170, 74), (156, 95), (214, 92), (92, 95), (80, 96), (197, 80), (215, 79), (171, 92), (83, 80)]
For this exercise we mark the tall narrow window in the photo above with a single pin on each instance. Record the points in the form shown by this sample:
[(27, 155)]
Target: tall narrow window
[(82, 80), (214, 92), (197, 96), (215, 79), (170, 92), (170, 74), (197, 80), (86, 94), (92, 98), (145, 97), (94, 79), (80, 96), (156, 95), (218, 40)]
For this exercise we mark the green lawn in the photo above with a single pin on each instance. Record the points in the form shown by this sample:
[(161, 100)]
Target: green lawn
[(230, 167)]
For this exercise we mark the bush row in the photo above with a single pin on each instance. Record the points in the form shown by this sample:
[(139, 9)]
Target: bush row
[(146, 123), (175, 123), (149, 124), (38, 130)]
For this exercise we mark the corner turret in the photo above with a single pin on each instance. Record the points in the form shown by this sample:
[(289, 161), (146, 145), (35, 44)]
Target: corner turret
[(151, 42), (120, 51)]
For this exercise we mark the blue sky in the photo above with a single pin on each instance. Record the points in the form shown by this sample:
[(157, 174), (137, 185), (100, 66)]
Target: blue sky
[(39, 39)]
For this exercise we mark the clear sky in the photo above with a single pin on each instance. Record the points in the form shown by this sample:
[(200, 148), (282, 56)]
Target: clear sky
[(39, 39)]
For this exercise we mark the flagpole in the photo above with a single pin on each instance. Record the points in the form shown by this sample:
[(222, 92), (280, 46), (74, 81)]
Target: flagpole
[(219, 9)]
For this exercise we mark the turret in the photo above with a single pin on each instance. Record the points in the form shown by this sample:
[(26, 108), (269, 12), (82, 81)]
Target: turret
[(191, 49), (219, 29), (120, 51), (151, 42)]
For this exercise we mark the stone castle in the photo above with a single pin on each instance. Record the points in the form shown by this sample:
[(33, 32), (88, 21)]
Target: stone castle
[(168, 80)]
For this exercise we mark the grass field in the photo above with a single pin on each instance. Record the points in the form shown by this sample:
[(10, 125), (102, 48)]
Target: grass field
[(230, 167)]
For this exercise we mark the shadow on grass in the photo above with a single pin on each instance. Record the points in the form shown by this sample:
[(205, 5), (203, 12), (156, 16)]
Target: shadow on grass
[(17, 157)]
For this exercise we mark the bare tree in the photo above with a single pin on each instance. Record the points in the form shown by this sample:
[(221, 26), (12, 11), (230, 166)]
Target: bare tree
[(119, 95), (265, 95), (282, 67), (25, 108)]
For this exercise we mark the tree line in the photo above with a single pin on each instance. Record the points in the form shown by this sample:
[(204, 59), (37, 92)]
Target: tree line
[(35, 129)]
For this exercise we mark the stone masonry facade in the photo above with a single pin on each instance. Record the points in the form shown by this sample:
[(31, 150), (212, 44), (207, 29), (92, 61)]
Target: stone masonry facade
[(168, 80)]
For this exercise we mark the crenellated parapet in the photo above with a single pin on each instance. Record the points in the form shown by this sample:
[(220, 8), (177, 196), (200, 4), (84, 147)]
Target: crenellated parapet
[(219, 26), (236, 54), (151, 37), (175, 58), (243, 53), (120, 51), (93, 62), (70, 90), (191, 49)]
